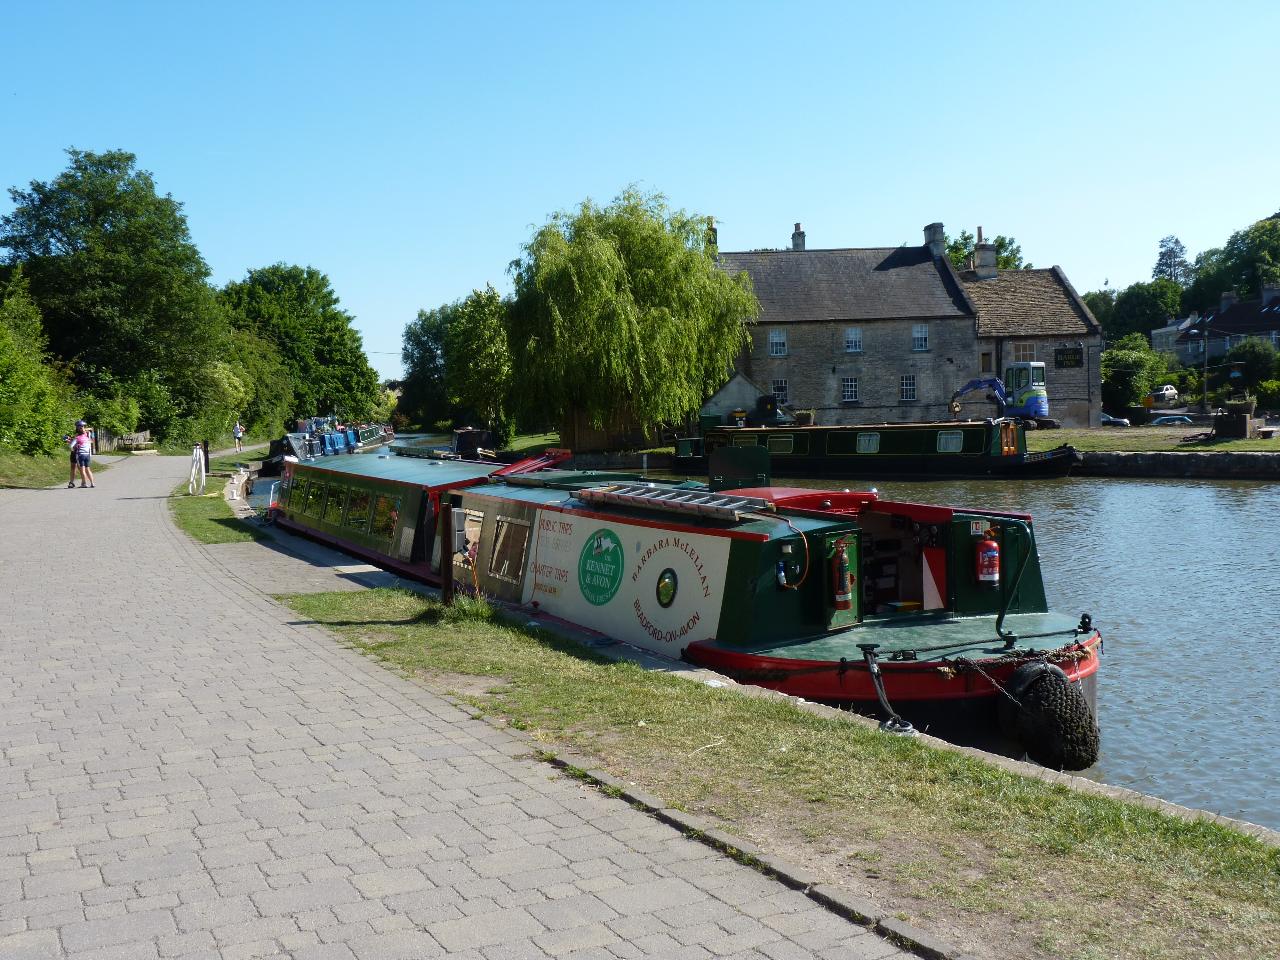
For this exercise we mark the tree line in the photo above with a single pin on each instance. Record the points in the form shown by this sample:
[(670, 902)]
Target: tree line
[(619, 320), (1249, 260), (107, 314)]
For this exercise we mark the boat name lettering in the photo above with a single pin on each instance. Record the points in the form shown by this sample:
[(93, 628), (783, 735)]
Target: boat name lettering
[(665, 636), (552, 525), (684, 546)]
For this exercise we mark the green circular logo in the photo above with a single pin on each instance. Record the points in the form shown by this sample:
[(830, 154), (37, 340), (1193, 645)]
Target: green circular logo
[(600, 567)]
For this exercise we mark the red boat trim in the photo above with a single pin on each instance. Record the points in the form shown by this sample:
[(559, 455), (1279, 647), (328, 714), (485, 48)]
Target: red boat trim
[(905, 681)]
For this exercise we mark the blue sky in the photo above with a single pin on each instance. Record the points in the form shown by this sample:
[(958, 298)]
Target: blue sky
[(409, 149)]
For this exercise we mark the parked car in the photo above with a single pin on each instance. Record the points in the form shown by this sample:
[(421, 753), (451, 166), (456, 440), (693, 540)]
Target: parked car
[(1110, 421), (1166, 394), (1170, 421)]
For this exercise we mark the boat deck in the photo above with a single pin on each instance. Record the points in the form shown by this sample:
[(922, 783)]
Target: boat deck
[(969, 637)]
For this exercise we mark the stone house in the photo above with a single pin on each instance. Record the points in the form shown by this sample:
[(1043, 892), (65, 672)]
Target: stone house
[(1230, 325), (887, 334)]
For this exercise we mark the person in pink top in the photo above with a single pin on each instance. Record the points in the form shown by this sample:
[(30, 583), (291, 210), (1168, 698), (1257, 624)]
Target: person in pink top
[(81, 452)]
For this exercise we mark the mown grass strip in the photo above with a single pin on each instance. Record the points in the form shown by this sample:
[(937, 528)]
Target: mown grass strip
[(1142, 440), (944, 840), (209, 518), (19, 471)]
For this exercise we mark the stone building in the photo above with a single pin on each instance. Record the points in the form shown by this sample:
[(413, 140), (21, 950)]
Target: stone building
[(865, 335)]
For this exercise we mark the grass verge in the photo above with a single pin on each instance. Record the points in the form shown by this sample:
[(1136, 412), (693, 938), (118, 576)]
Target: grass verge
[(209, 518), (1141, 440), (229, 463), (17, 470), (1006, 865)]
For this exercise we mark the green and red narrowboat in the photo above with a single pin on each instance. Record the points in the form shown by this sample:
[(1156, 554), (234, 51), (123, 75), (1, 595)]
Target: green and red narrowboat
[(932, 616)]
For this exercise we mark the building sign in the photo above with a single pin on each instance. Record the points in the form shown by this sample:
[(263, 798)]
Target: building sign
[(1068, 357)]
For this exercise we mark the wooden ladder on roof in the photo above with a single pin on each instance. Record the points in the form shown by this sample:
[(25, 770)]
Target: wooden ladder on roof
[(703, 503)]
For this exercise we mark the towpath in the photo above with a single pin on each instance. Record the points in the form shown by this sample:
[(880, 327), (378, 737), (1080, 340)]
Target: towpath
[(189, 771)]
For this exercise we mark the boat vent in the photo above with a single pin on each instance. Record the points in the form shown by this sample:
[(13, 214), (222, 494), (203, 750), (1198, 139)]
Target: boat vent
[(703, 503)]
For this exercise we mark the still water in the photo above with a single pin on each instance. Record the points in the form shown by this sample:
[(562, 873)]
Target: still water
[(1183, 580)]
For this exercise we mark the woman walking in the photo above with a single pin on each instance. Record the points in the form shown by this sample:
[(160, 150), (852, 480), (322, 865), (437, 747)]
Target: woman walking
[(81, 453)]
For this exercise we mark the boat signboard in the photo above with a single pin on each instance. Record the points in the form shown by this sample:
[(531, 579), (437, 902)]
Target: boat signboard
[(650, 586)]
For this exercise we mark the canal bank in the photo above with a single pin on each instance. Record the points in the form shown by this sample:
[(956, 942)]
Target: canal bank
[(1224, 465)]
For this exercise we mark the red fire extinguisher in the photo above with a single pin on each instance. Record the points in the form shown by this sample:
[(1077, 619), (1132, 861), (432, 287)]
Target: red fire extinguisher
[(988, 560), (842, 589)]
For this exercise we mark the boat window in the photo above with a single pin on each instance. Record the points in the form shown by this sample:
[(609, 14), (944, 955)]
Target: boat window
[(510, 541), (472, 522), (744, 440), (950, 441), (386, 512), (784, 444), (333, 506), (358, 510), (315, 498), (868, 443), (289, 488)]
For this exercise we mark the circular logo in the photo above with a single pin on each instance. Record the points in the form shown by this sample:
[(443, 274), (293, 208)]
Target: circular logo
[(667, 586), (600, 567)]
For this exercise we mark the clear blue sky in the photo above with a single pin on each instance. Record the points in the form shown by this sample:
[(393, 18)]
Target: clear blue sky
[(409, 149)]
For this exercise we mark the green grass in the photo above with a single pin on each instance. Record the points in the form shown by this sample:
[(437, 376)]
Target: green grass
[(1141, 440), (1027, 868), (19, 470), (533, 443), (228, 463), (209, 518)]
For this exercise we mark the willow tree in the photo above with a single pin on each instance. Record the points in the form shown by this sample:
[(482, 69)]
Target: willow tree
[(621, 317)]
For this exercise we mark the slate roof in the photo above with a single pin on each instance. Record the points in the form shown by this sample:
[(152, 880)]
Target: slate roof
[(878, 283), (1249, 316), (1028, 303)]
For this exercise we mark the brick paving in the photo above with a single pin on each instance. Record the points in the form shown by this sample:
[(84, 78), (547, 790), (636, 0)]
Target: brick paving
[(190, 772)]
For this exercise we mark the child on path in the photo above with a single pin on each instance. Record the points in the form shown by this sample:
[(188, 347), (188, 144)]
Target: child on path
[(71, 477), (238, 432), (81, 452)]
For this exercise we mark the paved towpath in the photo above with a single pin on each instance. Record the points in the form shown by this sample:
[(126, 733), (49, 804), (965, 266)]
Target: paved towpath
[(188, 771)]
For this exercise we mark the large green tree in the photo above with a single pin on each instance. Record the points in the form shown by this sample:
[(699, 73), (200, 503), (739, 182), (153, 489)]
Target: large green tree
[(621, 314), (477, 359), (1008, 252), (1101, 303), (1131, 370), (295, 310), (1171, 262), (424, 397), (1249, 259), (120, 285), (1143, 307), (35, 399)]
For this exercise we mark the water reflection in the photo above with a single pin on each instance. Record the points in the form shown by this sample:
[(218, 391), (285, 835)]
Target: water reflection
[(1179, 577)]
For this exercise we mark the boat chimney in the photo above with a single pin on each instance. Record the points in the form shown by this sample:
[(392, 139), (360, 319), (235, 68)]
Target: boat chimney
[(1229, 298), (797, 238)]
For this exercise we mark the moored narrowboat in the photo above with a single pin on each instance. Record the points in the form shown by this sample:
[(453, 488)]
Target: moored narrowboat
[(932, 616), (994, 448)]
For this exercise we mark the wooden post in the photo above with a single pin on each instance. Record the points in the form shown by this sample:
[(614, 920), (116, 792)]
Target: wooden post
[(446, 550)]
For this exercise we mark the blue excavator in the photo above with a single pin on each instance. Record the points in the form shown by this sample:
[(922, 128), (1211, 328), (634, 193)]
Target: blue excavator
[(1020, 394)]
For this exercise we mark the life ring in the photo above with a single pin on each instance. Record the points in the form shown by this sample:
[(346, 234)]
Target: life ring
[(1049, 717)]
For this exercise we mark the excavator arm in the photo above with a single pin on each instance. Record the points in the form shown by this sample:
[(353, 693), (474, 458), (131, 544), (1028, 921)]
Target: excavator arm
[(993, 384)]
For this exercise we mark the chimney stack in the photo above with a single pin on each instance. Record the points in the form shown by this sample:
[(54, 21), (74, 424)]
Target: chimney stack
[(984, 259), (797, 239), (1270, 293), (935, 240), (1229, 297)]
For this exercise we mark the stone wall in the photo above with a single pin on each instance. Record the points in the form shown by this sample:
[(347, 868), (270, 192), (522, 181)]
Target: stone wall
[(1218, 466), (816, 362)]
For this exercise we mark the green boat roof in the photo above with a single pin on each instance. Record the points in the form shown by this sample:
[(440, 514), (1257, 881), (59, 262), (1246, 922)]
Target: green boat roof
[(412, 470), (971, 637)]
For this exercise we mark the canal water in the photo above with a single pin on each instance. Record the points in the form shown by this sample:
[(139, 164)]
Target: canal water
[(1182, 577)]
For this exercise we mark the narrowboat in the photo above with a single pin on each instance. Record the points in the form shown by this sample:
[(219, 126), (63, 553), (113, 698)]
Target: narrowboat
[(995, 448), (382, 508), (930, 616), (321, 437)]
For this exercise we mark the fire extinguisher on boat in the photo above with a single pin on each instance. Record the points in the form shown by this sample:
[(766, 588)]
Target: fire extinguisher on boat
[(988, 561), (842, 588)]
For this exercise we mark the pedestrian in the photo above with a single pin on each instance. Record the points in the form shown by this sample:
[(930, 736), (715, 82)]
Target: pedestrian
[(81, 454), (71, 477), (238, 432)]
